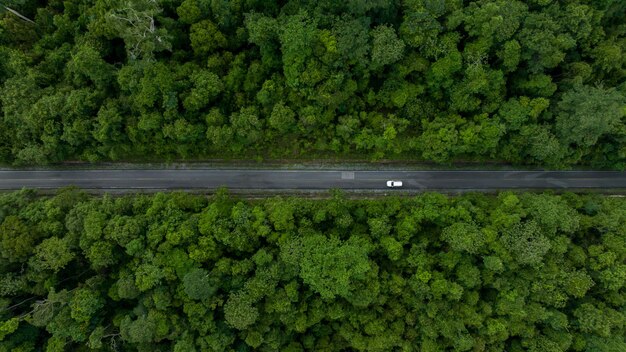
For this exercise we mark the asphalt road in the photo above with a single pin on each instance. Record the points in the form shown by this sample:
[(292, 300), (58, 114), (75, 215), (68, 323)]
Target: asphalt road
[(309, 179)]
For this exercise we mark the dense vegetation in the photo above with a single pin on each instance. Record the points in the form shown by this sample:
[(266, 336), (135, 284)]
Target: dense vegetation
[(534, 81), (513, 272)]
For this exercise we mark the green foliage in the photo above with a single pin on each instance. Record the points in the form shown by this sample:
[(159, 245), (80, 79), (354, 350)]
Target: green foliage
[(282, 118), (588, 113), (206, 38), (464, 237), (526, 243), (386, 47), (53, 254), (84, 304), (16, 238), (198, 284), (537, 82), (331, 267), (8, 327), (296, 36), (511, 272), (207, 86), (239, 311)]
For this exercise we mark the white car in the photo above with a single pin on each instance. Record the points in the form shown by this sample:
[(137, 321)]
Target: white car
[(394, 184)]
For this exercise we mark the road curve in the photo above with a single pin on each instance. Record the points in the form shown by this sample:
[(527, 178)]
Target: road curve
[(251, 179)]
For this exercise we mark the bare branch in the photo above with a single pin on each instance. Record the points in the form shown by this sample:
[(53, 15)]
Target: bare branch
[(17, 14)]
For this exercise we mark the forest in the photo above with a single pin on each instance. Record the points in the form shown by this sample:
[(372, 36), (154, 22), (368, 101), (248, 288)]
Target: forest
[(179, 272), (535, 82)]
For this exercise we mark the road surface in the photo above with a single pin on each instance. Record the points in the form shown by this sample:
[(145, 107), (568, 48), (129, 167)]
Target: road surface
[(251, 179)]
